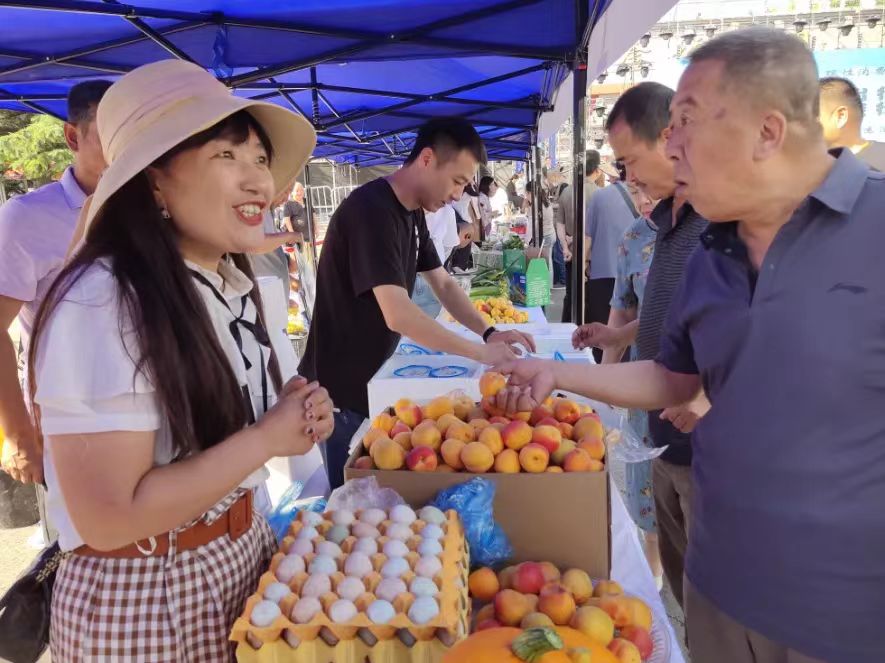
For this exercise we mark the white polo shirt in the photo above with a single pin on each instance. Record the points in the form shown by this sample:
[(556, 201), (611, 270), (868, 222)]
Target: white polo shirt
[(35, 231), (87, 381)]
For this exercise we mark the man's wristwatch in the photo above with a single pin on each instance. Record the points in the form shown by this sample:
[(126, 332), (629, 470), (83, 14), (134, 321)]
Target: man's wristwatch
[(488, 332)]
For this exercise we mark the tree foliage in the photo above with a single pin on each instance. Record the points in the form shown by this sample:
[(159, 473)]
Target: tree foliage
[(37, 149)]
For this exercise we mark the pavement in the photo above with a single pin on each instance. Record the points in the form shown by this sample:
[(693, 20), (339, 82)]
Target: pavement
[(17, 554)]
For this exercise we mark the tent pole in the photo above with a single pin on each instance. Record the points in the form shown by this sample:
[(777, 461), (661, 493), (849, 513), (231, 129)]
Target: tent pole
[(536, 193), (579, 130), (308, 206)]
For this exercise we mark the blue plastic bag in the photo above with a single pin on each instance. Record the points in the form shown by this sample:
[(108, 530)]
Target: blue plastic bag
[(289, 506), (474, 502)]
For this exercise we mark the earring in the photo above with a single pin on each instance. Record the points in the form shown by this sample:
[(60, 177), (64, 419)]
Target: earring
[(165, 214)]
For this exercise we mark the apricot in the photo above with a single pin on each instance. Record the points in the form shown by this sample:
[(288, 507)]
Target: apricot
[(516, 435), (387, 454), (529, 578), (426, 434), (608, 588), (487, 624), (404, 440), (551, 573), (625, 651), (618, 609), (408, 412), (588, 425), (580, 585), (451, 453), (463, 406), (477, 457), (596, 466), (557, 604), (384, 421), (505, 577), (443, 423), (548, 437), (566, 411), (534, 458), (485, 612), (507, 462), (511, 607), (554, 469), (566, 430), (372, 436), (499, 420), (458, 430), (491, 437), (491, 383), (421, 459), (483, 584), (539, 413), (641, 638), (438, 407), (479, 425), (536, 620), (364, 463), (522, 416), (443, 467), (641, 612), (577, 460), (593, 445), (399, 427), (595, 624), (558, 456)]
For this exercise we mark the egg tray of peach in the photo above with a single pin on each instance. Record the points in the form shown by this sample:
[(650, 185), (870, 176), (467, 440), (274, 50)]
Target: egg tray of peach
[(315, 615), (454, 434)]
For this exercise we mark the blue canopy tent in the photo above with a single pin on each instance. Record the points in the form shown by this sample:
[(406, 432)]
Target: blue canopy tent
[(366, 73)]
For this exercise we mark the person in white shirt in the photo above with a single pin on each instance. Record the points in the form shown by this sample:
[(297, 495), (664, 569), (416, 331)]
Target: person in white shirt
[(443, 230), (161, 396), (35, 230)]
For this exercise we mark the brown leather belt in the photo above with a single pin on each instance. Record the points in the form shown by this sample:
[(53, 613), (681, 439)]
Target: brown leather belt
[(234, 522)]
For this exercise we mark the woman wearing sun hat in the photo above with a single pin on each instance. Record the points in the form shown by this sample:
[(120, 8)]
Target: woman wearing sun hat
[(158, 394)]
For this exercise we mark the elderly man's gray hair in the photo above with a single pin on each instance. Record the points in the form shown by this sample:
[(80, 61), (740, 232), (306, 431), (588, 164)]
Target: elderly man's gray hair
[(770, 68)]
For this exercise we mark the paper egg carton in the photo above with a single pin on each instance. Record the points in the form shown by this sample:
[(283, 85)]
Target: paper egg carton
[(321, 639)]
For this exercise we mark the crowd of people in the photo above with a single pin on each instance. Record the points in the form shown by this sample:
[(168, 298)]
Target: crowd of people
[(733, 298)]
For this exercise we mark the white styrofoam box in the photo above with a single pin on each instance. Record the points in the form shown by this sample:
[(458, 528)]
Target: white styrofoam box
[(385, 388)]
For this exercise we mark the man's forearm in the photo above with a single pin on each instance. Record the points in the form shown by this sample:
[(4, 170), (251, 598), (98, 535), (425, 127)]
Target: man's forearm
[(560, 233), (456, 302), (644, 385), (14, 417), (626, 335)]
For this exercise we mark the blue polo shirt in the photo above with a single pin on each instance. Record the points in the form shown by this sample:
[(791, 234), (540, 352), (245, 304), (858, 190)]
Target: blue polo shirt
[(788, 510)]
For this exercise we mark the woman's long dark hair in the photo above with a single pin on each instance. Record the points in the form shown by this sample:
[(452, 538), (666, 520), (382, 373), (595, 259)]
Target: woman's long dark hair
[(542, 197), (180, 355), (485, 184)]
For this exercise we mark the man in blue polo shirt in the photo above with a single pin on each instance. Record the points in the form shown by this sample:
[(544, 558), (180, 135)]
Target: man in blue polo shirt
[(781, 319)]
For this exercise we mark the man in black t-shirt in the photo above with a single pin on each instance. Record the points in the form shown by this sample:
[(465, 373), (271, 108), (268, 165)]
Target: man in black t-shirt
[(376, 243)]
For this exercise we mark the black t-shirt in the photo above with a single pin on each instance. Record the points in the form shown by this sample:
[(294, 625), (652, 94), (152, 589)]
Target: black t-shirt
[(372, 240), (295, 211)]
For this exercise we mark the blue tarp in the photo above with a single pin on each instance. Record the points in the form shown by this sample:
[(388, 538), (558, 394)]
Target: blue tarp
[(365, 72)]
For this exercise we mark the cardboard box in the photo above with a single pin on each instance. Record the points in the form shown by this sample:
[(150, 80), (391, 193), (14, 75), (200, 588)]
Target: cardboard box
[(561, 518), (385, 387)]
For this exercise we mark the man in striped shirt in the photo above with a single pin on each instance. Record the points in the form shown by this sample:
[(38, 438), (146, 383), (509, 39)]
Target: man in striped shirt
[(638, 127)]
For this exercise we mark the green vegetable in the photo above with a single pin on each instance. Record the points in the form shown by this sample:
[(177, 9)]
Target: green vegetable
[(532, 644)]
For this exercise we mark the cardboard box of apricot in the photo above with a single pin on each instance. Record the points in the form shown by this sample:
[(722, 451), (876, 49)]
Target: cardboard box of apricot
[(552, 485)]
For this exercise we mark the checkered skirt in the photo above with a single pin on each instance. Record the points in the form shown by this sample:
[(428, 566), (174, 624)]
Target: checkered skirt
[(175, 608)]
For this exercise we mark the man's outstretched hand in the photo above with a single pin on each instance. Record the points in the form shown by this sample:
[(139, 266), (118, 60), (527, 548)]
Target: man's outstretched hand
[(531, 381)]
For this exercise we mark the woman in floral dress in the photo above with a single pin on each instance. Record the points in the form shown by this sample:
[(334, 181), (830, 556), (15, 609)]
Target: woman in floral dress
[(634, 259)]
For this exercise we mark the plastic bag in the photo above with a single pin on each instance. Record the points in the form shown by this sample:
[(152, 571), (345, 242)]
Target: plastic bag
[(626, 446), (474, 502), (363, 494), (289, 505)]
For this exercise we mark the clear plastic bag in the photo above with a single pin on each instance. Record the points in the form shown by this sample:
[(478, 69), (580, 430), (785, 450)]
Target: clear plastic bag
[(364, 493), (626, 446), (288, 507), (474, 502)]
